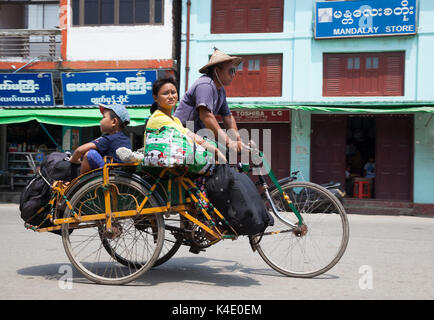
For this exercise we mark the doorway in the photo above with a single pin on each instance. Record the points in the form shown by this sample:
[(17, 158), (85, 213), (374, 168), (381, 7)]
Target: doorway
[(360, 152), (394, 154), (280, 145), (343, 145)]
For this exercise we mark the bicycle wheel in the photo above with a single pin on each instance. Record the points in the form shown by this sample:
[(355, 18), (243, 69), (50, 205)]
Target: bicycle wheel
[(173, 238), (136, 241), (311, 249), (170, 246)]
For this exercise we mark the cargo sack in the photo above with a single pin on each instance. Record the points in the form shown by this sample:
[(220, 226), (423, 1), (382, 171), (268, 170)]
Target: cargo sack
[(235, 195), (65, 170), (218, 190), (35, 196), (167, 147), (37, 193)]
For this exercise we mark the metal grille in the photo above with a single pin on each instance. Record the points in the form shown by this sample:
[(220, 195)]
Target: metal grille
[(25, 43)]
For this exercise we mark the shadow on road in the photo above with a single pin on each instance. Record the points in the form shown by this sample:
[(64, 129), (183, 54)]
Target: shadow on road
[(201, 271), (191, 270), (48, 271)]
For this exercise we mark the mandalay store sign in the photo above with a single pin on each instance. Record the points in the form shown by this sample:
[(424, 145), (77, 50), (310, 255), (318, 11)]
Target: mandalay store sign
[(352, 19)]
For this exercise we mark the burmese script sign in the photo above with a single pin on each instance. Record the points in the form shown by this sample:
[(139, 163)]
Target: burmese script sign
[(132, 87), (26, 90), (343, 19)]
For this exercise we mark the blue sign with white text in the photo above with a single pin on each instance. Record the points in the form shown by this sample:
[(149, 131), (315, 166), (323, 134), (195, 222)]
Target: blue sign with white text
[(343, 19), (108, 87), (26, 90)]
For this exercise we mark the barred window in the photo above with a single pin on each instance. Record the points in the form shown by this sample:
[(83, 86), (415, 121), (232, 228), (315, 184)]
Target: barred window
[(117, 12)]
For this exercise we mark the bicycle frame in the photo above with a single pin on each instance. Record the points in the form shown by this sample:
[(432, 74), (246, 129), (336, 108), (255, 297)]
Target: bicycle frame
[(182, 182), (129, 211), (277, 185)]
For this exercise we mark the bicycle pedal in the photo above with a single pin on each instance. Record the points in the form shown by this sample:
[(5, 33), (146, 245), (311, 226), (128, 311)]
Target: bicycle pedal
[(196, 250), (186, 242)]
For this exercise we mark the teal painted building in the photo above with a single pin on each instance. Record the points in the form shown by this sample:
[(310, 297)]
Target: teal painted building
[(330, 86)]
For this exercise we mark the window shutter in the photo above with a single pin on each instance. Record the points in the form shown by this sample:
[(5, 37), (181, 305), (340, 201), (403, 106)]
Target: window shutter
[(219, 17), (263, 79), (238, 20), (256, 20), (379, 74), (272, 74), (371, 82), (393, 75), (246, 16), (275, 16), (333, 75)]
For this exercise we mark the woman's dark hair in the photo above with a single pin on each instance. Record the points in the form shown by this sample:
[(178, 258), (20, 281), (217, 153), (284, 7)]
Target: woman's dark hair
[(156, 86)]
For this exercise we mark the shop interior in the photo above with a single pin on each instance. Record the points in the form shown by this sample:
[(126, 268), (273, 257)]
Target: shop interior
[(32, 137), (36, 139), (360, 156), (22, 140)]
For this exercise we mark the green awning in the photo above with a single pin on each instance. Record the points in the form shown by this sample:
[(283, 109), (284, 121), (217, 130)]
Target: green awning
[(88, 117), (411, 108), (74, 117)]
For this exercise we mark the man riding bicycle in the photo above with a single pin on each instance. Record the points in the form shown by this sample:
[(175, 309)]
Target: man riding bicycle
[(207, 98)]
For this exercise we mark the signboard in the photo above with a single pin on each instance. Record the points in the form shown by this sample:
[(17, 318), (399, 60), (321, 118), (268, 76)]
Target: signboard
[(108, 87), (259, 116), (346, 19), (26, 90)]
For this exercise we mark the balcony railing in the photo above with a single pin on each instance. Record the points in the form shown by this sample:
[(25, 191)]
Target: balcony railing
[(27, 44)]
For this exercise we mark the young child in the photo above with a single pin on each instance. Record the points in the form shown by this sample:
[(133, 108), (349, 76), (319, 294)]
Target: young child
[(91, 154)]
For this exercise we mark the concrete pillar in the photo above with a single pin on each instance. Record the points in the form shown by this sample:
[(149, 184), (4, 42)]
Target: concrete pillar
[(300, 143)]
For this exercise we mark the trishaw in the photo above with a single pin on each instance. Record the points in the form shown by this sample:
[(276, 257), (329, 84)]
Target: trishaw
[(119, 221)]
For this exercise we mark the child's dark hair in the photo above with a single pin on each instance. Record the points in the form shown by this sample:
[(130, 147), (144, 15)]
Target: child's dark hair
[(113, 115), (156, 86)]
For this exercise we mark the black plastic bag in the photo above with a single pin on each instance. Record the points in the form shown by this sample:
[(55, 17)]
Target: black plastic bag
[(235, 195)]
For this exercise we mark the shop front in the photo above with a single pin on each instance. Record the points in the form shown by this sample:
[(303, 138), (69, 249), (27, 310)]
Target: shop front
[(372, 151), (33, 124), (270, 130), (36, 132), (381, 155), (24, 140)]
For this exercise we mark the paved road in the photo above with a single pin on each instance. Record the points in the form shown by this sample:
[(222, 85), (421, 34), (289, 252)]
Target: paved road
[(387, 258)]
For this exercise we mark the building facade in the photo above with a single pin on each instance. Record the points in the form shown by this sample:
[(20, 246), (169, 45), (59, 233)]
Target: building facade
[(74, 54), (355, 76)]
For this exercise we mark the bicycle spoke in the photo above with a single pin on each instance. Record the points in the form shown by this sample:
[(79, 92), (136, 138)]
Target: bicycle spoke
[(313, 247), (121, 253)]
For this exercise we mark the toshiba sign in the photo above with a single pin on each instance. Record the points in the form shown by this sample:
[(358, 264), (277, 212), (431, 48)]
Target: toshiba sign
[(252, 116)]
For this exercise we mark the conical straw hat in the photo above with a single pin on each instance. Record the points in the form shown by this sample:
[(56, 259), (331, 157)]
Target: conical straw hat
[(219, 57)]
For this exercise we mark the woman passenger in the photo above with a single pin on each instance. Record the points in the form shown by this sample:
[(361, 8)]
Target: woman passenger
[(166, 96)]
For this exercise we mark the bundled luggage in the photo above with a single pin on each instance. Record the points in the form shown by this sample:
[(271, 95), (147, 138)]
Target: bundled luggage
[(230, 191), (167, 147), (236, 197), (36, 195)]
